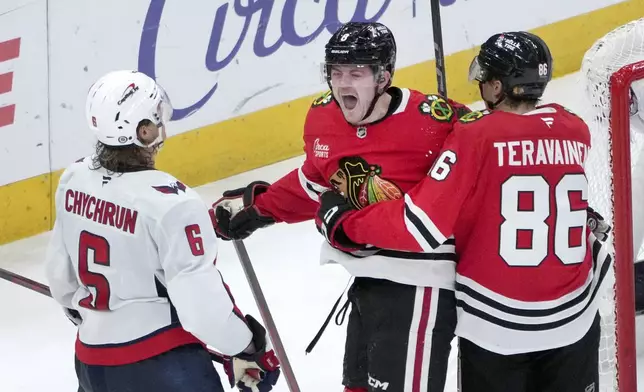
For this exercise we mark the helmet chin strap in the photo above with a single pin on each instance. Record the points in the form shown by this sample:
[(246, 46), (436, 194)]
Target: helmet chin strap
[(373, 103), (156, 143), (376, 97)]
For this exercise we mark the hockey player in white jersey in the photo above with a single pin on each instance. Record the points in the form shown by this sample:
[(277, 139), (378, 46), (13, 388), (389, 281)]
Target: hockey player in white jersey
[(132, 261)]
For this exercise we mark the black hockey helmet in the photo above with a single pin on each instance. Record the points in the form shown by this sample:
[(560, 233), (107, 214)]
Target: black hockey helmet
[(362, 43), (520, 60)]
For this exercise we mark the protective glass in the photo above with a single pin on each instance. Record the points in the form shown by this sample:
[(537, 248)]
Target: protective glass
[(477, 72), (162, 114), (164, 107)]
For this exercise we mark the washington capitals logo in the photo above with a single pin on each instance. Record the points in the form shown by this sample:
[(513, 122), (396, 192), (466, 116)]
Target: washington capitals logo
[(129, 91), (173, 188)]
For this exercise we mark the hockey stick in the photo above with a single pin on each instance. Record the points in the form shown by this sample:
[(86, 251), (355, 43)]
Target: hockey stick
[(242, 253), (25, 282), (44, 290), (438, 47)]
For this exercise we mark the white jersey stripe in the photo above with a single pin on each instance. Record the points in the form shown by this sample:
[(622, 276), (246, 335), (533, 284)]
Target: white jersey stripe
[(421, 226), (429, 333), (312, 189), (420, 340), (532, 328)]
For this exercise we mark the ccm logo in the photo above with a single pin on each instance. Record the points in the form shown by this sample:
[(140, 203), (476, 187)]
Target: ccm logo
[(377, 384), (9, 50)]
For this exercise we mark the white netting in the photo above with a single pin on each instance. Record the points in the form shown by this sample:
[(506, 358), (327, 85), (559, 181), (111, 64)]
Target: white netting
[(621, 47)]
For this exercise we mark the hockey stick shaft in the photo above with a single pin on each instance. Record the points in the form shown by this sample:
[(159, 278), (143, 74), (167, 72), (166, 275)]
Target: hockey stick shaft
[(44, 290), (438, 47), (242, 253), (25, 282)]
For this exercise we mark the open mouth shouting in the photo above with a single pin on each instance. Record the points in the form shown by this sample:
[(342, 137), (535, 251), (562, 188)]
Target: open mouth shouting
[(349, 100)]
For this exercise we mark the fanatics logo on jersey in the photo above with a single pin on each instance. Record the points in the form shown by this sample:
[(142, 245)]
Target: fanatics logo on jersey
[(548, 120), (173, 188), (320, 150)]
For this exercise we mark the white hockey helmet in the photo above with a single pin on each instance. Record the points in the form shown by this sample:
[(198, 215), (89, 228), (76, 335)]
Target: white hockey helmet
[(119, 101)]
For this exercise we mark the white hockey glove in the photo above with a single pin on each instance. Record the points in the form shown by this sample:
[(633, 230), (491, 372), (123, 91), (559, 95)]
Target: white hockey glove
[(257, 368), (597, 224)]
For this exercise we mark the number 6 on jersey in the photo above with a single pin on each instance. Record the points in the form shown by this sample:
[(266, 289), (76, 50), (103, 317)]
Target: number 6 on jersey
[(443, 165)]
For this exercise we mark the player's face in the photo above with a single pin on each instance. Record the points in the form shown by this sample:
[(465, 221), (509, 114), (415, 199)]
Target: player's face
[(490, 91), (152, 134), (354, 87)]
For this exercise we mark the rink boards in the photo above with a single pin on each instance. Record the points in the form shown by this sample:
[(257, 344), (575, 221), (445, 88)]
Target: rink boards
[(241, 92)]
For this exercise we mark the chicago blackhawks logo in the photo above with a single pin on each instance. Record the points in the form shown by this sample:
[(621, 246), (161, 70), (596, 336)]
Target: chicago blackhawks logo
[(323, 100), (361, 183), (437, 108), (473, 116)]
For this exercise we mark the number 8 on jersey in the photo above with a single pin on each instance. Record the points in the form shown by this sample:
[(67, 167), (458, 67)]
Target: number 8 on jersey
[(527, 202)]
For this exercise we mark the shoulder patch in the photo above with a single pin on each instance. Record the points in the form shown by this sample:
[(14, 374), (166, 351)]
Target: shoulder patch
[(172, 188), (437, 108), (323, 99), (473, 116)]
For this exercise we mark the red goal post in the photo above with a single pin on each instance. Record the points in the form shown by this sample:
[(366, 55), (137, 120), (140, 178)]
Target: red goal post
[(620, 130), (615, 171)]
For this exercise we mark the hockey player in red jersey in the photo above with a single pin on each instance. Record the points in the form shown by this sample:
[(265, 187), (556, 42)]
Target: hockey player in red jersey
[(371, 142), (132, 261), (509, 186)]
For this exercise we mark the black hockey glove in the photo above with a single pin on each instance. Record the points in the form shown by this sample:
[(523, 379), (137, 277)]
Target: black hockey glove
[(235, 215), (73, 316), (334, 208), (257, 368), (597, 225)]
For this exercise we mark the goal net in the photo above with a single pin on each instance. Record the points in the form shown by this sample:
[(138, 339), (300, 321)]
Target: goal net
[(613, 78)]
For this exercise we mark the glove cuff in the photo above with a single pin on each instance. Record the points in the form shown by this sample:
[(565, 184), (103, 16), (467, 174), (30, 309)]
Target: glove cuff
[(263, 354), (253, 190)]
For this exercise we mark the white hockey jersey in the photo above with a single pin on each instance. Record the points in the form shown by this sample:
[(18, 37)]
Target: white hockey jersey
[(135, 254)]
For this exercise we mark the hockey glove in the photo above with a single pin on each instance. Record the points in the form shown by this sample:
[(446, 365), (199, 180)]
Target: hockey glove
[(334, 208), (235, 215), (597, 225), (73, 316), (257, 368)]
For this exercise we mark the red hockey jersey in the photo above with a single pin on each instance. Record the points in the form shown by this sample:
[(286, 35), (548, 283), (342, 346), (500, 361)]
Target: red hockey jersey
[(369, 164), (511, 190)]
